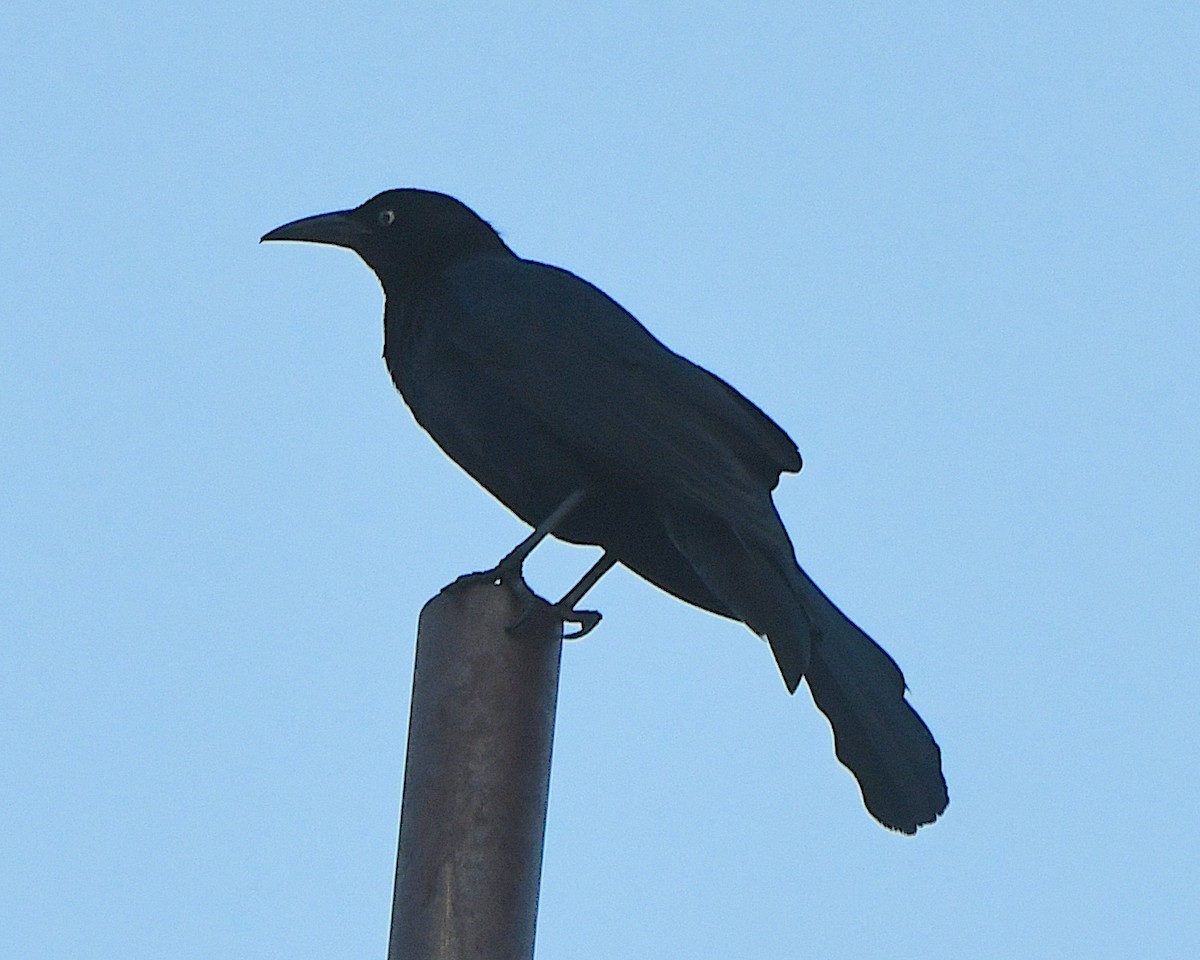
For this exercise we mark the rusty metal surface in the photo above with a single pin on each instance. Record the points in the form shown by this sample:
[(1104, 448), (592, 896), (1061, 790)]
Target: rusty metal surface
[(476, 777)]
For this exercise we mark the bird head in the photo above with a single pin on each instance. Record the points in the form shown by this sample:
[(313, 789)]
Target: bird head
[(405, 235)]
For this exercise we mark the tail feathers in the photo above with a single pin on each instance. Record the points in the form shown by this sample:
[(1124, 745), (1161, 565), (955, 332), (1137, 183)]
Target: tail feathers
[(757, 590), (858, 687), (877, 735)]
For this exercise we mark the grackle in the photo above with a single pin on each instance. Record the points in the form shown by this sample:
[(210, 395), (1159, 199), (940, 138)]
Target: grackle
[(562, 405)]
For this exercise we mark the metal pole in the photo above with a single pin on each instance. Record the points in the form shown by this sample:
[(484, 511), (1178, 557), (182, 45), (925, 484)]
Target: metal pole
[(476, 777)]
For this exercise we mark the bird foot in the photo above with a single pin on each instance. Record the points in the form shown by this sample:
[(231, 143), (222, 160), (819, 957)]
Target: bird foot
[(537, 610), (588, 621), (537, 613), (510, 572)]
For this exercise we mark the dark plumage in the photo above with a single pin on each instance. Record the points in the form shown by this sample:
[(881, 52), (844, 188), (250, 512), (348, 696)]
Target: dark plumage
[(539, 385)]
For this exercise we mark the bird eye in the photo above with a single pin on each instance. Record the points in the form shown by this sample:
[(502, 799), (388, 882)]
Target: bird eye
[(387, 217)]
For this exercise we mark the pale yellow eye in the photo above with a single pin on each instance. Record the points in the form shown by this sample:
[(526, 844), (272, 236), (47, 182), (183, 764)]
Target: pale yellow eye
[(387, 217)]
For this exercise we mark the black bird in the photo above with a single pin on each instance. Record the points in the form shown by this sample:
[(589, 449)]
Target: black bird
[(560, 403)]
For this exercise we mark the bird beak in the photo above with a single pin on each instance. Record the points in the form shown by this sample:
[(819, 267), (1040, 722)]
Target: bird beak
[(339, 229)]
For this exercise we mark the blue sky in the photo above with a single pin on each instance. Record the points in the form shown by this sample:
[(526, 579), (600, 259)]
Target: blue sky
[(952, 252)]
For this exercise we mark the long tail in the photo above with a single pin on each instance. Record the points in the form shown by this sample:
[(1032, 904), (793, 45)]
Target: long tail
[(853, 681), (877, 735)]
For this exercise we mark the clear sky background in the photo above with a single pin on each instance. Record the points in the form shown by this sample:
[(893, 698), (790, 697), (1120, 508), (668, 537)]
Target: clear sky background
[(953, 252)]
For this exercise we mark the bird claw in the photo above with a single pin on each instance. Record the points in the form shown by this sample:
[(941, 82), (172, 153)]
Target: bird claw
[(511, 575), (588, 620), (509, 571), (539, 611)]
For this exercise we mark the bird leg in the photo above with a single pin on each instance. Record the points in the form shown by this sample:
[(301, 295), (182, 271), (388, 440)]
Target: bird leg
[(510, 569), (513, 562), (565, 608)]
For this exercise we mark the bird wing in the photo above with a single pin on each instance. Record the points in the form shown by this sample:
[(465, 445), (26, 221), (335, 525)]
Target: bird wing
[(566, 353)]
